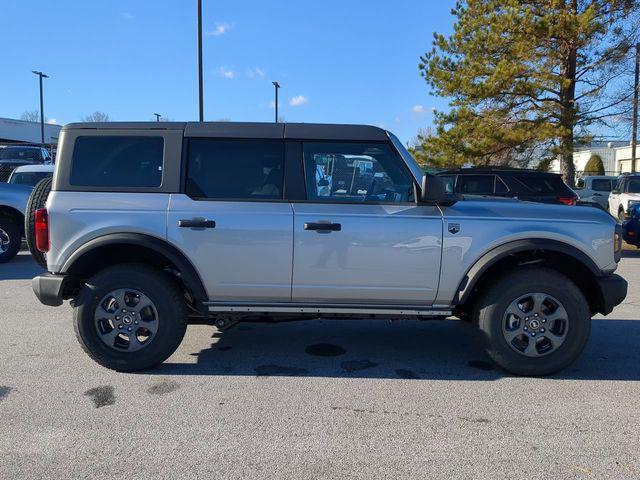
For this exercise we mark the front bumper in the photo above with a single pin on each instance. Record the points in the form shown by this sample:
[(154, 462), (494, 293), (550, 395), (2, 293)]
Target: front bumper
[(49, 288), (613, 290)]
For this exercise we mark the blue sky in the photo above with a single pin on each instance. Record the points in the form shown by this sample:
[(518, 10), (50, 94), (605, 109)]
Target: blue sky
[(351, 61)]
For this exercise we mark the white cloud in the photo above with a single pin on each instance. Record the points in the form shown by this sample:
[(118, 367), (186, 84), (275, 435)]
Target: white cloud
[(227, 73), (127, 16), (52, 121), (417, 109), (255, 72), (272, 104), (298, 101), (220, 29)]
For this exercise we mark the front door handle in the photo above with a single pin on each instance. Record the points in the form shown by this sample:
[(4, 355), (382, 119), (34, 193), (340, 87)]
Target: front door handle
[(323, 227), (196, 223)]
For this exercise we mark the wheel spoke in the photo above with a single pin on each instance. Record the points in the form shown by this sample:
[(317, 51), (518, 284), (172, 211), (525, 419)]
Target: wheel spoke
[(538, 300), (509, 335), (531, 351), (110, 337)]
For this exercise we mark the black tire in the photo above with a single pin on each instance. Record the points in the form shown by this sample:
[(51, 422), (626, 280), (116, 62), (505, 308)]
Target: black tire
[(492, 306), (167, 299), (621, 216), (10, 232), (37, 200)]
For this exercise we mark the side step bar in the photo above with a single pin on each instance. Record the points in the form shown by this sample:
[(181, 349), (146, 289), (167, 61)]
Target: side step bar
[(359, 309)]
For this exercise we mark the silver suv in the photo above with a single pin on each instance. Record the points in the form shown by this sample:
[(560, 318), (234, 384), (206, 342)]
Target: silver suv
[(148, 225)]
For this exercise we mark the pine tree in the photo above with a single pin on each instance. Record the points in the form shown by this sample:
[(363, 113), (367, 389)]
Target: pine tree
[(525, 78)]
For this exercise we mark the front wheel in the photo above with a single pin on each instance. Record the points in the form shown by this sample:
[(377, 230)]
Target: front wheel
[(130, 317), (535, 321)]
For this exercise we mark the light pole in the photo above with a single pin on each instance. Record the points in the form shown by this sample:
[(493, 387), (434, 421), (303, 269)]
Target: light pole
[(41, 75), (276, 85), (157, 116), (200, 95), (634, 134)]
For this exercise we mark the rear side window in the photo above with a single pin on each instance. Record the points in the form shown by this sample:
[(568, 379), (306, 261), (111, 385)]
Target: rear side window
[(117, 161), (601, 185), (544, 185), (235, 169)]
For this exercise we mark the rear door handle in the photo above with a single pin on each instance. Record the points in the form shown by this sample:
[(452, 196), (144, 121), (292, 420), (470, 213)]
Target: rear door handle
[(196, 223), (323, 227)]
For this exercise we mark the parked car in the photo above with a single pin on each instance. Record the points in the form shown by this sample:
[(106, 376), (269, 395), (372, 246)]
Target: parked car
[(13, 156), (30, 175), (596, 188), (13, 201), (147, 224), (631, 227), (529, 185), (624, 196)]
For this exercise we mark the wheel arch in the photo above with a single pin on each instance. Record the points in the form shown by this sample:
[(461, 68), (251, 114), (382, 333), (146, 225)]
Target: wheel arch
[(559, 256), (108, 249), (15, 214)]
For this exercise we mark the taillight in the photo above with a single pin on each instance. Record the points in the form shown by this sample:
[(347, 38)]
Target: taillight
[(42, 230), (567, 200)]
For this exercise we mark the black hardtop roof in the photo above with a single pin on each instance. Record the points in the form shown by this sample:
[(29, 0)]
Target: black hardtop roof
[(300, 131)]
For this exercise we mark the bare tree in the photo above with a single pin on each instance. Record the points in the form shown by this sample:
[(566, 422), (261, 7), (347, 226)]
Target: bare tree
[(31, 116), (96, 117)]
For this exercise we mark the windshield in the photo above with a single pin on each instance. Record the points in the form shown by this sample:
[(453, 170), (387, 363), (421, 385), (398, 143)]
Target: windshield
[(416, 171), (17, 153), (28, 178)]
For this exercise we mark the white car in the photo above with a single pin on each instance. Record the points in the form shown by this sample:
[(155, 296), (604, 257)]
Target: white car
[(596, 188), (625, 194), (30, 174)]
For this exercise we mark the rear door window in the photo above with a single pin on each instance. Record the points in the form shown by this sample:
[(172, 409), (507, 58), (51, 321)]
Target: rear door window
[(601, 185), (476, 184), (544, 185), (235, 169), (117, 161)]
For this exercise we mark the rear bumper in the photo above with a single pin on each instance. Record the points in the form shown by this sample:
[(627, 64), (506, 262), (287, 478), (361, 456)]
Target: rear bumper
[(613, 290), (49, 288)]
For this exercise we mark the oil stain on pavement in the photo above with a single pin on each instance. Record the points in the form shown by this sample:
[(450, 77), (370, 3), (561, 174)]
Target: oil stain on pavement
[(101, 396), (325, 350), (4, 391), (163, 388)]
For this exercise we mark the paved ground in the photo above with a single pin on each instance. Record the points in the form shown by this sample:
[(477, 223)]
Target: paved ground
[(401, 400)]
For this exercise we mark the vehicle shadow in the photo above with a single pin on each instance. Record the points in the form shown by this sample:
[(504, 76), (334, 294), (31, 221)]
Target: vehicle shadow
[(438, 350), (22, 267), (631, 252)]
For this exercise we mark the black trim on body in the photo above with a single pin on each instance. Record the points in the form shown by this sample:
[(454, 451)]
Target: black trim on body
[(502, 251), (188, 273), (49, 288)]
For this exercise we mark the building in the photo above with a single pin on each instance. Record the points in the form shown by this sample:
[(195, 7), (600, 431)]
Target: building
[(20, 131), (616, 157)]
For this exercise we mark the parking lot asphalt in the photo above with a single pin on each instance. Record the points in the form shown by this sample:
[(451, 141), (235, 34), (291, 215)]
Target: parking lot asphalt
[(331, 399)]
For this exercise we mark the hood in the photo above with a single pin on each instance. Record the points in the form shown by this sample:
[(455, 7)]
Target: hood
[(514, 209)]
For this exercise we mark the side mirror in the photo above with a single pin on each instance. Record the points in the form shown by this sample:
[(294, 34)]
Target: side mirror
[(433, 190)]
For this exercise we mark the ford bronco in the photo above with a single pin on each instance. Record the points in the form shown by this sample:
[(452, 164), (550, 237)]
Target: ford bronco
[(148, 225)]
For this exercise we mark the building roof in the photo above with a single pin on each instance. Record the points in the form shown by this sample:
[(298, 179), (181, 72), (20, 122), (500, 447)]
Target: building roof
[(21, 131)]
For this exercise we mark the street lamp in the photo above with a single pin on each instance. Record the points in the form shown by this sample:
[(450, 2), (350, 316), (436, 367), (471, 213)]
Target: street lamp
[(157, 116), (41, 75), (200, 95), (276, 85)]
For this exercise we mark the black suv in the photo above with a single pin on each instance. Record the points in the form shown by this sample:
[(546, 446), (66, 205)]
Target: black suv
[(529, 185), (15, 156)]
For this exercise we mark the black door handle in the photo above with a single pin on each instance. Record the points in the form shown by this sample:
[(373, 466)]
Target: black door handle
[(323, 227), (196, 223)]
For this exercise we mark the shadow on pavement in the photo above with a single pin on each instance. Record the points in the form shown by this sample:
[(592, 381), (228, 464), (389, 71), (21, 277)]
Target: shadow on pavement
[(437, 350), (631, 252), (22, 267)]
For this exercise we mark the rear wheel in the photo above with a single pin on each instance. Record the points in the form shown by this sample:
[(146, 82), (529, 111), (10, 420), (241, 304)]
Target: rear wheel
[(535, 321), (130, 317), (10, 238), (37, 200)]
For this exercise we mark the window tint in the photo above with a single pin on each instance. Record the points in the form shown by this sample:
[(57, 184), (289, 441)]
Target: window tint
[(449, 182), (122, 161), (544, 185), (356, 172), (28, 178), (633, 186), (476, 184), (235, 169), (601, 185), (21, 153)]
